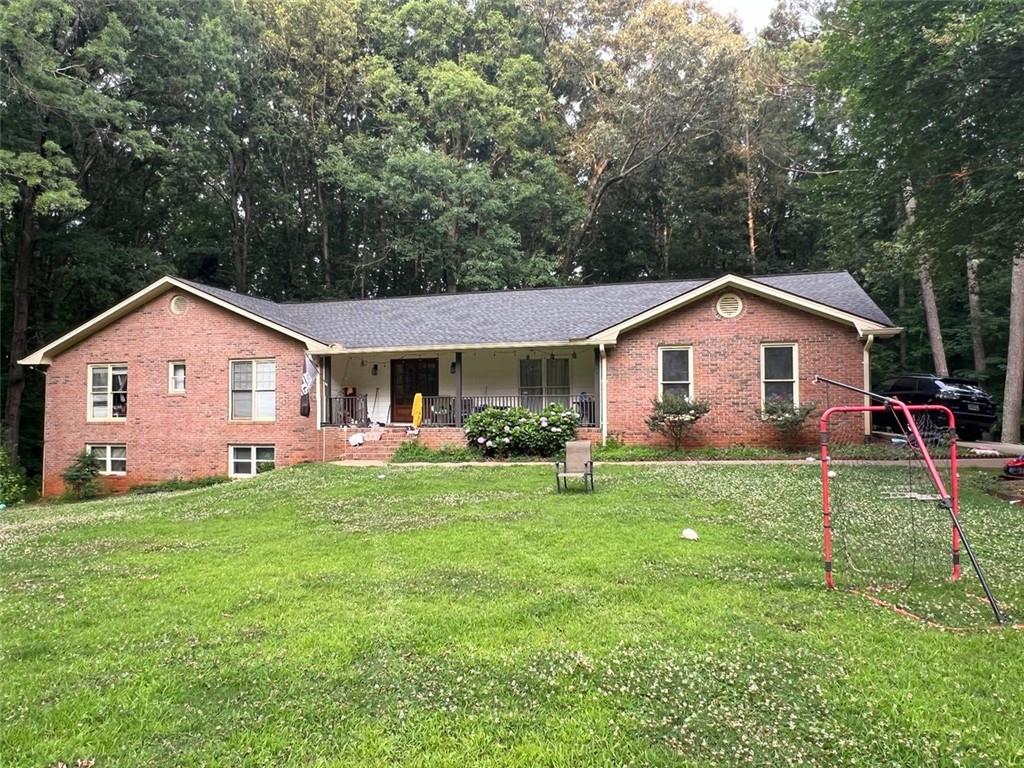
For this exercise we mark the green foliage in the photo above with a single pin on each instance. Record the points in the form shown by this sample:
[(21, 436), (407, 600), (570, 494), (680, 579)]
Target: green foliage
[(517, 431), (673, 417), (81, 476), (785, 417), (12, 481), (413, 451)]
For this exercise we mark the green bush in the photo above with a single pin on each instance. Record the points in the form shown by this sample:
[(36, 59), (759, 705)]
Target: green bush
[(12, 482), (81, 476), (517, 431), (784, 416), (674, 417)]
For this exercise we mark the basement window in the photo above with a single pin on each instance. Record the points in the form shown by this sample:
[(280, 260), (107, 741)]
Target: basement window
[(249, 460), (113, 459)]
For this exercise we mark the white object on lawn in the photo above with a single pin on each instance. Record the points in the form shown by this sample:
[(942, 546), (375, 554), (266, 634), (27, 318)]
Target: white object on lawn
[(831, 473), (689, 534)]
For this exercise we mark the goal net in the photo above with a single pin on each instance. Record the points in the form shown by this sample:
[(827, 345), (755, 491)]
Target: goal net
[(890, 511)]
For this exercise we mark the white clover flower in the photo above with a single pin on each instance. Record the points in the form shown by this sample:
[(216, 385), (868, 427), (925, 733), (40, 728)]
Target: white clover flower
[(507, 440), (490, 443), (555, 429), (480, 440)]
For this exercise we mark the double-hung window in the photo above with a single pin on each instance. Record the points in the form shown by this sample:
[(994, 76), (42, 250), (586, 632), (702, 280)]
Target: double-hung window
[(253, 390), (113, 459), (544, 380), (675, 372), (176, 377), (108, 392), (248, 460), (780, 368)]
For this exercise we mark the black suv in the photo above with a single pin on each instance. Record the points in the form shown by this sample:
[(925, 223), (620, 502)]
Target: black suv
[(973, 409)]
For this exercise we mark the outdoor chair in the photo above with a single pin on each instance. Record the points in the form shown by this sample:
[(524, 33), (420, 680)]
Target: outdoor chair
[(578, 463)]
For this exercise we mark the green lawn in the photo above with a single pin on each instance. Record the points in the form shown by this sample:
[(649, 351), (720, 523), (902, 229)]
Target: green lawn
[(327, 616)]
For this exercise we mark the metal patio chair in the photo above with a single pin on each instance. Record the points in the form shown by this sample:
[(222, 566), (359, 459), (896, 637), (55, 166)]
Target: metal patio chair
[(578, 463)]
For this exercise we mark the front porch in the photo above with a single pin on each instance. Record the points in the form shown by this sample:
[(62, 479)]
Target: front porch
[(361, 390)]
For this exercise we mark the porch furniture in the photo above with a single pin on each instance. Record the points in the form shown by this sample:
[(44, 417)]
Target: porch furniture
[(578, 463)]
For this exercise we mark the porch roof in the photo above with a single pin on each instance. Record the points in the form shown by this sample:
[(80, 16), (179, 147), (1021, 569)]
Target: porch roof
[(540, 315)]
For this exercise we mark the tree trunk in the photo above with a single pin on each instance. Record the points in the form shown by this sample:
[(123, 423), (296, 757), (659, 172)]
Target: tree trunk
[(931, 306), (325, 234), (751, 239), (974, 309), (901, 304), (19, 321), (1014, 390), (931, 317)]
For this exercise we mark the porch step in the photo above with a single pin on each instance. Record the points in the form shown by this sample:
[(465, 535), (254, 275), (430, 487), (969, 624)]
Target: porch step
[(371, 450)]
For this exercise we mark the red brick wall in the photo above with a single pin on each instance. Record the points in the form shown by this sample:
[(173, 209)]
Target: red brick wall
[(727, 370), (169, 436)]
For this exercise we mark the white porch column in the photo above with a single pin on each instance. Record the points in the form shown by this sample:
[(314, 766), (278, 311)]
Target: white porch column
[(603, 354)]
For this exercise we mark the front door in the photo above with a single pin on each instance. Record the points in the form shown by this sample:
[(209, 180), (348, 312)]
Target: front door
[(407, 378)]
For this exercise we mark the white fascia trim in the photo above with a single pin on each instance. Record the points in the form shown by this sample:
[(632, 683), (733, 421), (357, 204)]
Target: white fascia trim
[(863, 326), (459, 347), (44, 356)]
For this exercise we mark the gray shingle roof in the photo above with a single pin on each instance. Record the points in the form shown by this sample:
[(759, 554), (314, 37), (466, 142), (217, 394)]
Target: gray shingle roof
[(523, 316)]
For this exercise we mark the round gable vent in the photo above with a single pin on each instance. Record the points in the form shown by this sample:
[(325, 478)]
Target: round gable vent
[(178, 305), (729, 305)]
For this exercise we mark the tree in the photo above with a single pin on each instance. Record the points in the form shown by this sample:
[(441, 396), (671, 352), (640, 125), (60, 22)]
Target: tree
[(65, 81), (635, 82)]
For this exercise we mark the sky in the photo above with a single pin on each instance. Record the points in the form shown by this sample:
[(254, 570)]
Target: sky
[(753, 13)]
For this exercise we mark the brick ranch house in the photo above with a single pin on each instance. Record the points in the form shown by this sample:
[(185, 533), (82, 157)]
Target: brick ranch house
[(185, 380)]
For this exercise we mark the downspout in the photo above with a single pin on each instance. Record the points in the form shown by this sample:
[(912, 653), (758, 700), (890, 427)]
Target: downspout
[(868, 343), (604, 395)]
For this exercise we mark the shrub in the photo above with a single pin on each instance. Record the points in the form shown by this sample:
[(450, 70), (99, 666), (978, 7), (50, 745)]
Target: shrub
[(674, 417), (81, 476), (784, 416), (12, 482), (505, 431)]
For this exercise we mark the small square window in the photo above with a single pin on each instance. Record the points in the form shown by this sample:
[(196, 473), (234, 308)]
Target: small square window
[(176, 377), (249, 460), (113, 459)]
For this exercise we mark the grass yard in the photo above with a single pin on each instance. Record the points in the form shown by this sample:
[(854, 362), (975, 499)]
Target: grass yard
[(327, 616)]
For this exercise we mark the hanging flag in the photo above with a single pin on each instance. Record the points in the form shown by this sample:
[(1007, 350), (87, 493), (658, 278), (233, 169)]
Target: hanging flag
[(309, 374)]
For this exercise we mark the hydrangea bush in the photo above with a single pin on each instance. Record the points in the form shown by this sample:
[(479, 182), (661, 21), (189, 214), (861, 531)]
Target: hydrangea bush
[(784, 416), (674, 417), (517, 431)]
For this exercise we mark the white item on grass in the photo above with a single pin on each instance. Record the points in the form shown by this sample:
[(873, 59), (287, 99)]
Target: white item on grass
[(689, 534)]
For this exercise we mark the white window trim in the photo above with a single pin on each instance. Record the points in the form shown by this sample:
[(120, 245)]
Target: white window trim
[(796, 370), (254, 361), (106, 461), (110, 395), (170, 378), (251, 446), (661, 376)]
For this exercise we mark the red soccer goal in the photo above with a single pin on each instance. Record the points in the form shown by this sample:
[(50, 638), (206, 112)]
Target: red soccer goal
[(946, 491)]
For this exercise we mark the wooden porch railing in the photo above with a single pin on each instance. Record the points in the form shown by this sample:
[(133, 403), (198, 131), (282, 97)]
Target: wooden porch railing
[(349, 411), (440, 411)]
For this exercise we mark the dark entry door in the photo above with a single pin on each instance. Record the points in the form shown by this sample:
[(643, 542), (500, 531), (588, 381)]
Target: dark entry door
[(407, 378)]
